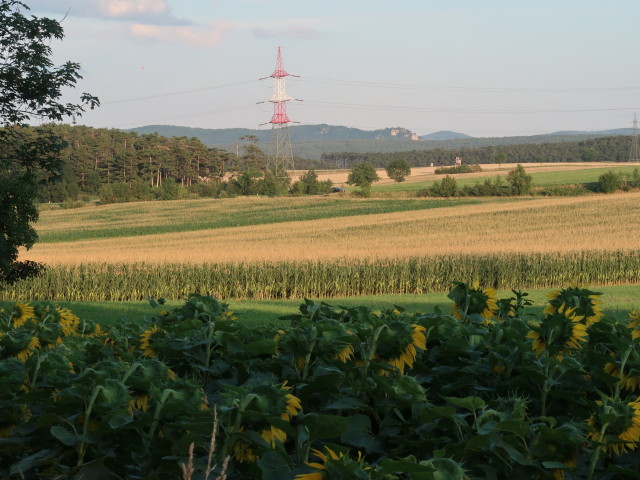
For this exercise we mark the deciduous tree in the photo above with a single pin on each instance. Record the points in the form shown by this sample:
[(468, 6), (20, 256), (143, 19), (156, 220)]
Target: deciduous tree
[(363, 175), (30, 88), (398, 169)]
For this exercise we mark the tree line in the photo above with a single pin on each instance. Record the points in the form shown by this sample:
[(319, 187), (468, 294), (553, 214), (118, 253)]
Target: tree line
[(95, 159), (122, 166), (603, 149)]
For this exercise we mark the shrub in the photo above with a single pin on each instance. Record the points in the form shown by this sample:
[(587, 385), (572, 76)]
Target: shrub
[(448, 187), (486, 189), (519, 182), (610, 182), (466, 168), (564, 190)]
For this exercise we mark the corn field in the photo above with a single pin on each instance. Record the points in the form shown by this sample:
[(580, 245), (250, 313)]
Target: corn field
[(277, 280)]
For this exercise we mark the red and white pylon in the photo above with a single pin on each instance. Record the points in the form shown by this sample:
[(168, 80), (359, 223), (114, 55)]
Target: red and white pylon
[(281, 158)]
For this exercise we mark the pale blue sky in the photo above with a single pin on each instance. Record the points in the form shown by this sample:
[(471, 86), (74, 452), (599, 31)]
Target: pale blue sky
[(485, 68)]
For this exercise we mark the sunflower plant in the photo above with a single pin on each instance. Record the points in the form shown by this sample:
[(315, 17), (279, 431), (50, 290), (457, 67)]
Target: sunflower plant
[(559, 332), (471, 303), (260, 418), (188, 338), (614, 426), (513, 307), (583, 302), (332, 465), (308, 345)]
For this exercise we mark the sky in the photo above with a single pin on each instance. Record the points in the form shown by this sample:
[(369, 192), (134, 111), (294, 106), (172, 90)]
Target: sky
[(486, 68)]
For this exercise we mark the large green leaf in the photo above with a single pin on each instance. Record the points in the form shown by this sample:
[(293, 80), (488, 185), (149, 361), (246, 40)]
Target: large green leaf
[(324, 426), (358, 434), (65, 436), (469, 403), (274, 466)]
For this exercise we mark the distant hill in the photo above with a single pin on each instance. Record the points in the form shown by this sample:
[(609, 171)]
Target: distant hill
[(616, 131), (444, 135), (313, 141), (303, 133)]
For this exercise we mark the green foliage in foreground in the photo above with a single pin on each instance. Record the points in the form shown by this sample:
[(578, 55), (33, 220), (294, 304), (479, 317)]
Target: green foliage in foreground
[(339, 394), (325, 279)]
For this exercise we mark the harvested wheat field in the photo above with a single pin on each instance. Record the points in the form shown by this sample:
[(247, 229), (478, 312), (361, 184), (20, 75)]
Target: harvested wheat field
[(535, 225)]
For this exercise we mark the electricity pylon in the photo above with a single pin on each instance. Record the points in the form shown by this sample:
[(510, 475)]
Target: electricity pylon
[(281, 159)]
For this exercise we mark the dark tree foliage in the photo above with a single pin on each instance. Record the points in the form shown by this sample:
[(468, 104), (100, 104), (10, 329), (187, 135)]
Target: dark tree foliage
[(603, 149), (30, 88), (126, 166)]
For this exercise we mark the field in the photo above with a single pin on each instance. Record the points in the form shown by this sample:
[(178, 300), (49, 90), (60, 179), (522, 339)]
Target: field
[(506, 243), (336, 245), (396, 380), (199, 231)]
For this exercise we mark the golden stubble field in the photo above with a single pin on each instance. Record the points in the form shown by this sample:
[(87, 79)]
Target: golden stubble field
[(595, 222)]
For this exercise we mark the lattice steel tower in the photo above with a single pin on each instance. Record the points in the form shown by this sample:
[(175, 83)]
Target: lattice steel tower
[(282, 152), (635, 153)]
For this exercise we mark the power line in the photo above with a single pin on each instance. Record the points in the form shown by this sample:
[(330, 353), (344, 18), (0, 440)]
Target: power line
[(451, 88), (461, 110), (173, 94), (189, 115)]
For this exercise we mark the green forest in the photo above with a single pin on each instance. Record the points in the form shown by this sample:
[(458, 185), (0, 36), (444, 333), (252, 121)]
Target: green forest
[(602, 149), (116, 165)]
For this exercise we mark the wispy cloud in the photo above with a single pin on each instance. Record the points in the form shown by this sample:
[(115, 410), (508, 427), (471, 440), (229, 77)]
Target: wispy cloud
[(204, 37), (154, 12), (289, 31), (127, 8)]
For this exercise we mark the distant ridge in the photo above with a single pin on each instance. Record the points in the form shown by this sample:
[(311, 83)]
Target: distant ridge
[(616, 131), (303, 133), (324, 132), (444, 135), (314, 141)]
